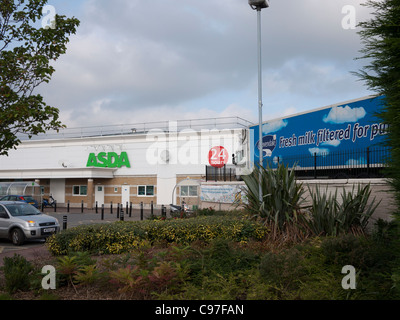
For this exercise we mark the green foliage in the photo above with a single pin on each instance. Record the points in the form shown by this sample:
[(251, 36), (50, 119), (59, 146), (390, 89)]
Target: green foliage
[(322, 213), (222, 269), (220, 258), (381, 48), (329, 216), (158, 274), (122, 237), (206, 212), (17, 273), (26, 53), (283, 269), (78, 267), (87, 275), (282, 196), (375, 263)]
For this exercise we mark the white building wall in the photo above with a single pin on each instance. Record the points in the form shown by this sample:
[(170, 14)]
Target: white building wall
[(163, 155), (188, 152)]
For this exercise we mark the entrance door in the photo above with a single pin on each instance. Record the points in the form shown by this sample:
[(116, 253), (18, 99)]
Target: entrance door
[(125, 195), (57, 190), (99, 195)]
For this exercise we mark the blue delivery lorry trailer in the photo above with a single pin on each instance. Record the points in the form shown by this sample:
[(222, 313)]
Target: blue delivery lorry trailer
[(344, 140)]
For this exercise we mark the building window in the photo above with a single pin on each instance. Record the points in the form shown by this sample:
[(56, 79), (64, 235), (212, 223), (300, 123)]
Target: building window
[(144, 191), (189, 191), (79, 190)]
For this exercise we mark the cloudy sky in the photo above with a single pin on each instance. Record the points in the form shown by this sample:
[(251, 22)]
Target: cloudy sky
[(137, 60)]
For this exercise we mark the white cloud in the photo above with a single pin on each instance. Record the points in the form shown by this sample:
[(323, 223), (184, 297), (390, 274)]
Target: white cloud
[(353, 162), (319, 151), (198, 58), (274, 126), (344, 114), (332, 143)]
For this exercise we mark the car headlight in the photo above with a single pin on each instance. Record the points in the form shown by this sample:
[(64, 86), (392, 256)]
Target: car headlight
[(32, 223)]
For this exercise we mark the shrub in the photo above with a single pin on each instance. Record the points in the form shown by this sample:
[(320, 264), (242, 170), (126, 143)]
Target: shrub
[(328, 216), (124, 236), (282, 196), (284, 269), (375, 263), (148, 278), (17, 273)]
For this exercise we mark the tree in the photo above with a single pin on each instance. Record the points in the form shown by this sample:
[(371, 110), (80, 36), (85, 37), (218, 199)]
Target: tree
[(28, 44), (381, 46)]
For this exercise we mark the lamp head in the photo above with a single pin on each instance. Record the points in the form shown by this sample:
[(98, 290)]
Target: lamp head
[(258, 4)]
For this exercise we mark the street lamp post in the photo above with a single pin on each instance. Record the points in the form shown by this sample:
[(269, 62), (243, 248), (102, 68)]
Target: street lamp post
[(258, 5)]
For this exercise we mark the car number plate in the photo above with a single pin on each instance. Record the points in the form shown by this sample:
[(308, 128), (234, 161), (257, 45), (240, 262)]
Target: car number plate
[(49, 230)]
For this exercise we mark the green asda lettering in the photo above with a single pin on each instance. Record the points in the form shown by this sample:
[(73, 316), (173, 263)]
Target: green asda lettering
[(108, 160)]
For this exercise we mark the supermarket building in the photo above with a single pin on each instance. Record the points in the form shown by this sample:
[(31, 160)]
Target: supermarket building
[(159, 162)]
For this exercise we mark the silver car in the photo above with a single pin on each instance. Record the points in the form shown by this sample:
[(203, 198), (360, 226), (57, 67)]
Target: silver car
[(20, 221)]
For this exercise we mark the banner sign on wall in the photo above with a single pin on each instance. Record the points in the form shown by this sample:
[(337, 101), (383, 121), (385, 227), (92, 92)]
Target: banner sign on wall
[(221, 193)]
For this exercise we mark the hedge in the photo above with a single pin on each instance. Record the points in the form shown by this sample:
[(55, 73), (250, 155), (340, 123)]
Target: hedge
[(122, 237)]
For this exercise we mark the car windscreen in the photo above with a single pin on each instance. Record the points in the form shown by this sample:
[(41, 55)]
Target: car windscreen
[(17, 210)]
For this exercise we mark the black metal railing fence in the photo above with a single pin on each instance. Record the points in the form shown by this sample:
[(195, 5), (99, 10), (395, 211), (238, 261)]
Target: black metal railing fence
[(355, 163)]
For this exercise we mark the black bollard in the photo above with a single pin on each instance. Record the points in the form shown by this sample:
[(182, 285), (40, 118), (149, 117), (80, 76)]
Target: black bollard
[(97, 207), (55, 205), (111, 207), (118, 210), (141, 211), (65, 222), (82, 206), (164, 211), (130, 210), (102, 211), (68, 206), (121, 214)]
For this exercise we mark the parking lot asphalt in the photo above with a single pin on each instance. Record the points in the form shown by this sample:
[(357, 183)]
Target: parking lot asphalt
[(76, 218)]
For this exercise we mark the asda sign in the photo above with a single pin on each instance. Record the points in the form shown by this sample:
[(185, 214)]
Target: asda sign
[(108, 160)]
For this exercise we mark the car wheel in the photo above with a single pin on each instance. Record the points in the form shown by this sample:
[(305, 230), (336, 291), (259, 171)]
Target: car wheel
[(17, 237)]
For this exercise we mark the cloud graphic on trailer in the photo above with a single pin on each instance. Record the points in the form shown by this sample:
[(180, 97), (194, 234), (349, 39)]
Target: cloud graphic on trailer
[(333, 143), (345, 114), (319, 151), (354, 162), (274, 126)]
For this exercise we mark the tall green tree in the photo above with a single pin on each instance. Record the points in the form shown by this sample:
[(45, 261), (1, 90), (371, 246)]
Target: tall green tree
[(31, 38), (381, 47)]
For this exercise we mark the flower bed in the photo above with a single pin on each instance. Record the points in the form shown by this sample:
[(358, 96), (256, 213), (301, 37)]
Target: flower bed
[(121, 237)]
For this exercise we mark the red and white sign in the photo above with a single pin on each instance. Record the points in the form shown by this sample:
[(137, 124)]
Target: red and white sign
[(218, 157)]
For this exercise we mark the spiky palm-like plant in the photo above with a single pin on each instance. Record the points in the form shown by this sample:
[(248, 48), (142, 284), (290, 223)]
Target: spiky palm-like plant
[(282, 196)]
